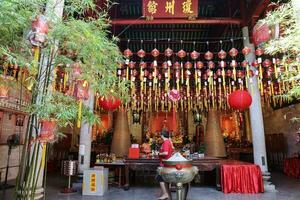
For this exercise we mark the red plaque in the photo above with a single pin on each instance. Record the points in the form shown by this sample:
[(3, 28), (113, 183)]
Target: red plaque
[(170, 8)]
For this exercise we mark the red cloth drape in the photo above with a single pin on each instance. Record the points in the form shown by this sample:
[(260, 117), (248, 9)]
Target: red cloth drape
[(292, 167), (241, 178)]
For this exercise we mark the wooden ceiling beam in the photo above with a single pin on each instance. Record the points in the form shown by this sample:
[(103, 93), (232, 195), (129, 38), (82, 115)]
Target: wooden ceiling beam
[(256, 9), (212, 21)]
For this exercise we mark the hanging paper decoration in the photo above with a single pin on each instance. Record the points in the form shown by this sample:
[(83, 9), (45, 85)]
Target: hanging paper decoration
[(39, 30), (188, 65), (195, 55), (240, 100), (109, 103), (47, 131), (208, 55), (174, 95), (127, 53), (199, 65), (81, 91), (155, 52), (141, 53), (261, 33), (181, 54), (222, 54), (168, 52), (246, 51), (259, 52)]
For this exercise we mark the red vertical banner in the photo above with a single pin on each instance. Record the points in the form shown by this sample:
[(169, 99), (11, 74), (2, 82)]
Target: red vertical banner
[(170, 8)]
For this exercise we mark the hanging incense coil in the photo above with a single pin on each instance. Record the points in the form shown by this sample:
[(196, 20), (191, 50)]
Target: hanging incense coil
[(213, 138), (121, 137)]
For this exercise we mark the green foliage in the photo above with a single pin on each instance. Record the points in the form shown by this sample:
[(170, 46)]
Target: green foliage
[(287, 45), (76, 37)]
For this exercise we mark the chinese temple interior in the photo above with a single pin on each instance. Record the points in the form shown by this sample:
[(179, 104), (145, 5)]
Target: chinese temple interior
[(197, 70)]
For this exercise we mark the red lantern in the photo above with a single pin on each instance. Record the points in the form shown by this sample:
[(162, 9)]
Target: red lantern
[(219, 72), (251, 73), (261, 33), (244, 63), (181, 54), (222, 54), (188, 65), (143, 65), (131, 65), (141, 53), (76, 70), (233, 64), (168, 52), (39, 31), (255, 64), (267, 63), (199, 65), (127, 53), (208, 55), (259, 51), (229, 73), (211, 65), (233, 52), (155, 52), (164, 65), (246, 51), (109, 103), (195, 55), (176, 65), (240, 100)]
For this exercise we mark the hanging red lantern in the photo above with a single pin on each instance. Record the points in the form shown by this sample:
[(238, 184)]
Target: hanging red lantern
[(168, 52), (222, 64), (141, 53), (222, 54), (240, 100), (211, 65), (261, 33), (246, 51), (267, 63), (176, 65), (135, 73), (174, 95), (208, 55), (47, 133), (131, 65), (255, 64), (109, 103), (81, 91), (229, 73), (233, 64), (240, 74), (259, 52), (187, 73), (205, 76), (244, 63), (233, 52), (177, 74), (219, 72), (39, 31), (188, 65), (159, 76), (146, 73), (143, 65), (195, 55), (164, 65), (155, 52), (251, 73), (199, 65), (76, 70), (181, 54), (127, 53)]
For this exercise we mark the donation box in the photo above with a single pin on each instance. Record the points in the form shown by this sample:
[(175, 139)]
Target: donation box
[(95, 181)]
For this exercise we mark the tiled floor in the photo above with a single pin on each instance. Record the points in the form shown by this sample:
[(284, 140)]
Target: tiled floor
[(288, 189)]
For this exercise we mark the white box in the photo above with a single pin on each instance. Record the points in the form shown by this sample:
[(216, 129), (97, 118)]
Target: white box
[(95, 182)]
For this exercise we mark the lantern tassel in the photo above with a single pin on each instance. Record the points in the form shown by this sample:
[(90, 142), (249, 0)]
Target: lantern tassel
[(79, 114)]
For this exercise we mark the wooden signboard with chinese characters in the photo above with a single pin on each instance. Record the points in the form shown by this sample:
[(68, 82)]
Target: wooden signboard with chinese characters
[(170, 8)]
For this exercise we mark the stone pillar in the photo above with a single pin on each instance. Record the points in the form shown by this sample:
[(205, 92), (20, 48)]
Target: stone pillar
[(85, 141), (256, 118)]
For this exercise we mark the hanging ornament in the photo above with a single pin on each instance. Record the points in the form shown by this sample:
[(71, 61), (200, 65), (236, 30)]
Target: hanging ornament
[(211, 65), (259, 52), (244, 64), (222, 54), (131, 65), (199, 65), (143, 65), (188, 65), (109, 103), (229, 73), (255, 64), (76, 70), (47, 131), (181, 54), (267, 63), (127, 53), (246, 51), (176, 65), (39, 30), (233, 52), (261, 33), (174, 95), (141, 53), (208, 55), (240, 100), (155, 52), (168, 52), (164, 65), (195, 55)]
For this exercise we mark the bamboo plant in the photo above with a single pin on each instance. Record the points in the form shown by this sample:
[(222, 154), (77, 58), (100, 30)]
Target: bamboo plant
[(78, 37)]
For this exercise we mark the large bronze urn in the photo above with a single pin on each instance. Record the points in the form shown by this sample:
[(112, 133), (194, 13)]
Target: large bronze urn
[(179, 171)]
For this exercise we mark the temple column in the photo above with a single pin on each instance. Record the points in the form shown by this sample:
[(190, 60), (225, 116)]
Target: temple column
[(256, 119), (85, 140)]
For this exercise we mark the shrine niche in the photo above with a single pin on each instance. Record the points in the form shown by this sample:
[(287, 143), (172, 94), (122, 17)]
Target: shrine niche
[(229, 125)]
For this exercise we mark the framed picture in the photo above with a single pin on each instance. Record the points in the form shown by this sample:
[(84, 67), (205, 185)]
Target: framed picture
[(20, 120)]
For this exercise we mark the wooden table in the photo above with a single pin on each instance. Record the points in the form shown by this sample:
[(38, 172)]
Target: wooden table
[(115, 165), (146, 164)]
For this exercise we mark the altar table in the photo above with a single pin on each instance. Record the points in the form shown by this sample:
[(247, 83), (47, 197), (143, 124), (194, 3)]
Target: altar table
[(292, 167), (239, 177)]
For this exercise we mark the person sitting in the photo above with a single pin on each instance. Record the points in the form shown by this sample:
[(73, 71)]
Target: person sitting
[(146, 147)]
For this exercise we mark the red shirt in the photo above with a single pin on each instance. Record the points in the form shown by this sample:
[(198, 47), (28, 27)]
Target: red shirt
[(166, 147)]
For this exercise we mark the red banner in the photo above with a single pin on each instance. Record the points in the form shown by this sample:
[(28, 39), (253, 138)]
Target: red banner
[(170, 8)]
